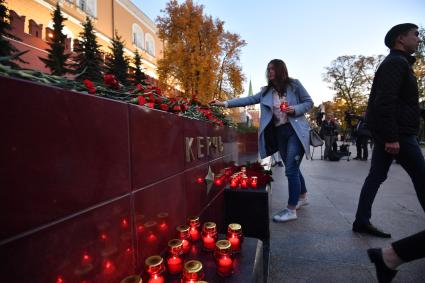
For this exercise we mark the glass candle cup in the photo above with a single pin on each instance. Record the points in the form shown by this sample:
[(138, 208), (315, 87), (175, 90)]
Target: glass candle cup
[(174, 258), (209, 236), (192, 271), (155, 269), (223, 258), (235, 237), (183, 234), (194, 225)]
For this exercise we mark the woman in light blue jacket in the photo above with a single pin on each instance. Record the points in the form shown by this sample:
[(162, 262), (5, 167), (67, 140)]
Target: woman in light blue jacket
[(284, 129)]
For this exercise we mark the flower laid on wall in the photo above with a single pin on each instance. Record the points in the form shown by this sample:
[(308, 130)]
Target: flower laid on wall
[(143, 94)]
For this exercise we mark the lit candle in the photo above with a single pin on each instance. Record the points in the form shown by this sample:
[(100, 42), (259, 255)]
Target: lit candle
[(209, 235), (235, 237), (192, 271), (184, 236), (155, 268), (194, 224), (223, 258), (283, 106), (174, 260), (234, 183), (254, 182), (244, 182), (132, 279)]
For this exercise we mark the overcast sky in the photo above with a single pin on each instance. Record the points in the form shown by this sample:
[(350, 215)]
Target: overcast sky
[(307, 35)]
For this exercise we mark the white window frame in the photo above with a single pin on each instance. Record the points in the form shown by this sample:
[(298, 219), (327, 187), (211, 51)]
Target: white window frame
[(85, 9), (150, 39), (136, 33)]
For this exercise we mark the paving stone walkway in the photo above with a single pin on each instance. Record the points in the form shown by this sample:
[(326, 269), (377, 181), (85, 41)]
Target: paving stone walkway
[(320, 246)]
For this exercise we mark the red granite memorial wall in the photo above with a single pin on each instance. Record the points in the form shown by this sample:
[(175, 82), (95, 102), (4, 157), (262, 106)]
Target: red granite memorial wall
[(90, 187)]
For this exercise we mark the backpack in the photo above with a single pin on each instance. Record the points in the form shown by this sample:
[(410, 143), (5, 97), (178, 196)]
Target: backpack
[(334, 156)]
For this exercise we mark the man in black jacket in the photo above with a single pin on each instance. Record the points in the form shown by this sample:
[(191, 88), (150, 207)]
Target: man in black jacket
[(393, 119), (362, 137)]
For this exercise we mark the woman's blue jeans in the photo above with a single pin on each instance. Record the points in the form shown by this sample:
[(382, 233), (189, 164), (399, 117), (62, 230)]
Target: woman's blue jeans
[(292, 152)]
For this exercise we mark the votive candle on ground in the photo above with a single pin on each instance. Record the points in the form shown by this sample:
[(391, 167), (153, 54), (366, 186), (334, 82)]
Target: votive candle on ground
[(195, 233), (223, 258), (183, 231), (209, 235), (155, 269), (192, 271), (234, 236), (174, 259)]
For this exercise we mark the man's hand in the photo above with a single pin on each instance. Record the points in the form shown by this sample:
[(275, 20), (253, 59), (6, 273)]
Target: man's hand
[(216, 103), (392, 147)]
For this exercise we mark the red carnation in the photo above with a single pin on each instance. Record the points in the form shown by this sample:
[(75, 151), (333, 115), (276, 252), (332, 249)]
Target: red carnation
[(111, 81), (177, 108), (90, 86), (139, 87), (141, 100), (150, 105), (163, 107)]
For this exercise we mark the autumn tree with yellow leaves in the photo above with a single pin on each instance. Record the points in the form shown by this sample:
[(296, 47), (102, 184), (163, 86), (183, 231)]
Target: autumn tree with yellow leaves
[(199, 56)]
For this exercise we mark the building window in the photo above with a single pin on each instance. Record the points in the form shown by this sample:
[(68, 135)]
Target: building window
[(138, 36), (150, 44), (88, 6)]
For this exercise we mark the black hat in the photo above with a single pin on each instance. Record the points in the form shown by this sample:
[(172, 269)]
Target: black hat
[(395, 31)]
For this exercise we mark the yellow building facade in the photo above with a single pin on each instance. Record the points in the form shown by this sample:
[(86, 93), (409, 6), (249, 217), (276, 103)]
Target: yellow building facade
[(136, 29)]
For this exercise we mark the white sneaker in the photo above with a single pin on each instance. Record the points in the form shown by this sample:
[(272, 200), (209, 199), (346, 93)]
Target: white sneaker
[(301, 202), (285, 215)]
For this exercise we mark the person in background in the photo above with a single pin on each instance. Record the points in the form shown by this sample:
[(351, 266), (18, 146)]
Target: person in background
[(329, 131), (362, 138), (393, 117), (283, 128)]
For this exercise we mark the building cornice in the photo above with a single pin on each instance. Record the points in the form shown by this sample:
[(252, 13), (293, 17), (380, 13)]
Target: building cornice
[(138, 14)]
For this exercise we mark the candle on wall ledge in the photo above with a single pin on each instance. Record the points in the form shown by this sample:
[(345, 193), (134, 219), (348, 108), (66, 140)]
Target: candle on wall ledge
[(184, 236), (174, 259), (254, 182), (209, 235), (132, 279), (244, 182), (155, 269), (194, 224), (192, 271), (235, 237), (223, 258)]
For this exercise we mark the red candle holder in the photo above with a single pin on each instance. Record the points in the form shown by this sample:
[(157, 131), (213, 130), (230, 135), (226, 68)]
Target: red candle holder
[(174, 259), (235, 237), (234, 183), (155, 269), (184, 236), (209, 236), (244, 182), (223, 258), (194, 224), (283, 106), (254, 182), (192, 271), (132, 279)]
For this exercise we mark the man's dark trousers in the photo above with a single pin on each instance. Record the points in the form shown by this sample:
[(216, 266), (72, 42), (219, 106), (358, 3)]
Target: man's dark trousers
[(410, 158)]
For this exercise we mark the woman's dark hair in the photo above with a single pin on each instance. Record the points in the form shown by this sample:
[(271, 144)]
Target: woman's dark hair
[(282, 79)]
